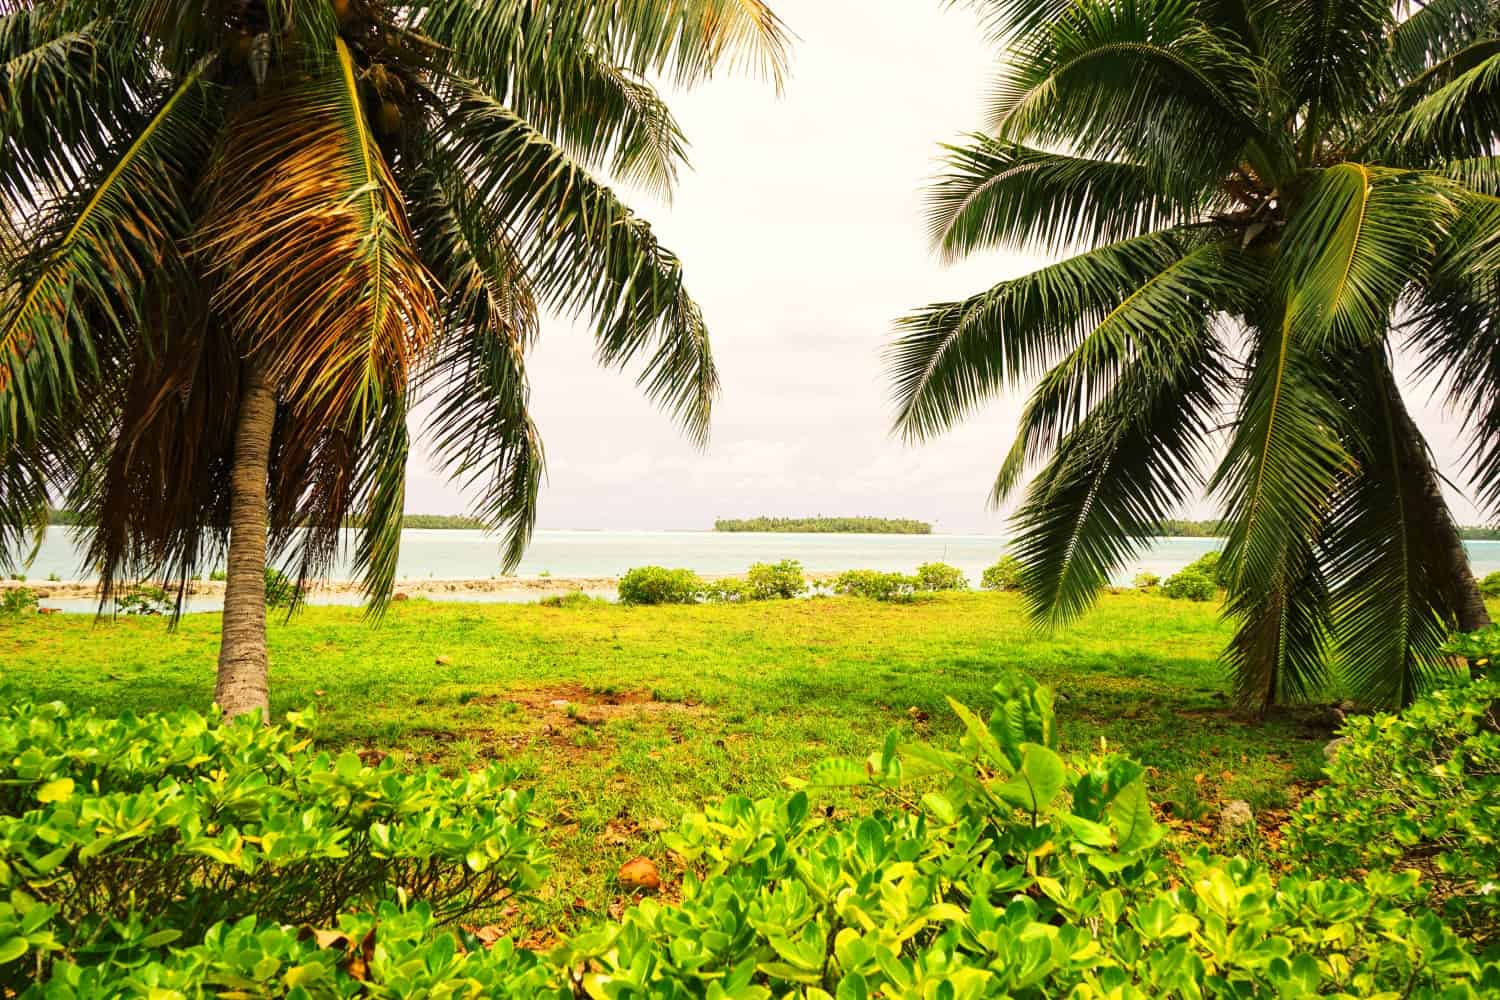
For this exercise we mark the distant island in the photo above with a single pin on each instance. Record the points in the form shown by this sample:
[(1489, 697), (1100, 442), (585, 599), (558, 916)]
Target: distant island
[(826, 525), (1219, 529)]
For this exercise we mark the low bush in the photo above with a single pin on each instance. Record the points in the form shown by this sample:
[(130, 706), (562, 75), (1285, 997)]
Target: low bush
[(17, 601), (572, 599), (659, 585), (1490, 585), (1480, 648), (1146, 581), (143, 599), (121, 837), (936, 576), (1422, 790), (282, 592), (876, 585), (775, 581), (726, 590), (993, 867), (1190, 585), (1004, 575)]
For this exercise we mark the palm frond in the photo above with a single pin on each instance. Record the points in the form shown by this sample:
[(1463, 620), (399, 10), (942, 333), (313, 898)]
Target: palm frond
[(311, 252), (69, 94), (1282, 465), (1146, 82), (1327, 53), (73, 297), (1132, 461), (585, 253), (950, 357), (1451, 112), (480, 420), (685, 40), (1431, 31), (1392, 610), (1160, 326), (1360, 236), (1279, 649), (1000, 193)]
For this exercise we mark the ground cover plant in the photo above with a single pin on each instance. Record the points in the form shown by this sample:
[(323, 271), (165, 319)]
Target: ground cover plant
[(986, 863), (624, 718)]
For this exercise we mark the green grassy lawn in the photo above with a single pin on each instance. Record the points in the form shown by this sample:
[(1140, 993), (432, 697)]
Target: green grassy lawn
[(624, 718)]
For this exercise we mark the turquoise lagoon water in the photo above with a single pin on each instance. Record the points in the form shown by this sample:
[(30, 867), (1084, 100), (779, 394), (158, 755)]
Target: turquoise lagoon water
[(454, 555)]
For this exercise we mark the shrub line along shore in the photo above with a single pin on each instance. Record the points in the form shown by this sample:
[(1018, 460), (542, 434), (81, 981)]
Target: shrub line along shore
[(415, 587)]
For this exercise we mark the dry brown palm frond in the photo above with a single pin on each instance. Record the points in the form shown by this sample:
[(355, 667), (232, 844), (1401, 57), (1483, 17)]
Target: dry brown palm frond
[(309, 245)]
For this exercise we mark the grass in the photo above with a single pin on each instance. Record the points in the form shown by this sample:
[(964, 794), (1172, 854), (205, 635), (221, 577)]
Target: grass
[(624, 718)]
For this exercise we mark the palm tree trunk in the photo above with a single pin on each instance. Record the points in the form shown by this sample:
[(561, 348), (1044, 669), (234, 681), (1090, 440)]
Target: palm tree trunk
[(1449, 556), (243, 684)]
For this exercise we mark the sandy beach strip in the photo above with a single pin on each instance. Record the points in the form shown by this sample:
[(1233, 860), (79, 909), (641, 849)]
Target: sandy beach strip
[(414, 587)]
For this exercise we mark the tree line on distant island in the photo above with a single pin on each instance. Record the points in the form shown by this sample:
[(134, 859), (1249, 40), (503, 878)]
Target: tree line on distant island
[(813, 525), (826, 525), (72, 518)]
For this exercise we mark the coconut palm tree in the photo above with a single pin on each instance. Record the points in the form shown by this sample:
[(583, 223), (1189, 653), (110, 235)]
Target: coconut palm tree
[(1254, 205), (257, 232)]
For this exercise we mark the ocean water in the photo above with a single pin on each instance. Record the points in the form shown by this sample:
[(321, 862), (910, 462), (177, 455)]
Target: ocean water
[(449, 555)]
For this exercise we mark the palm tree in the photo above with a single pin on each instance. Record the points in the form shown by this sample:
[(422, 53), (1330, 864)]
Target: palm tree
[(257, 232), (1262, 201)]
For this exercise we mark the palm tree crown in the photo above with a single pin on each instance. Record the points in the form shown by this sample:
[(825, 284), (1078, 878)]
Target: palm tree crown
[(360, 204), (1265, 198)]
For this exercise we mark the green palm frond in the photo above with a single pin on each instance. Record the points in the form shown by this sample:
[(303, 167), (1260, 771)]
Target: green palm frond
[(1452, 111), (1279, 650), (1391, 612), (74, 296), (1327, 52), (585, 253), (480, 421), (1160, 326), (68, 96), (1432, 31), (1361, 235), (1283, 461), (1132, 461), (950, 357), (1148, 81), (999, 193)]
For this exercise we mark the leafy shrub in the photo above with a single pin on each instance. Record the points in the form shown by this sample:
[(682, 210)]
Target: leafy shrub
[(572, 599), (1146, 581), (143, 599), (1480, 647), (774, 581), (1210, 564), (119, 837), (936, 576), (281, 590), (1004, 575), (726, 590), (875, 585), (1190, 585), (991, 868), (659, 585), (17, 601), (1490, 585), (1417, 789)]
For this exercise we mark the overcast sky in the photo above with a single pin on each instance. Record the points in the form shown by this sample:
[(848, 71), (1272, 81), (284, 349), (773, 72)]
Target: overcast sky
[(801, 228)]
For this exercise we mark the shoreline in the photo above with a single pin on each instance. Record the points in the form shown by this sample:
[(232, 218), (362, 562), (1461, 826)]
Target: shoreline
[(404, 589)]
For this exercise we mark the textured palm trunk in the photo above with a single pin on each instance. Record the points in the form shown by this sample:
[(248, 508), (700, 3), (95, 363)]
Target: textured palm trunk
[(243, 684), (1450, 557)]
